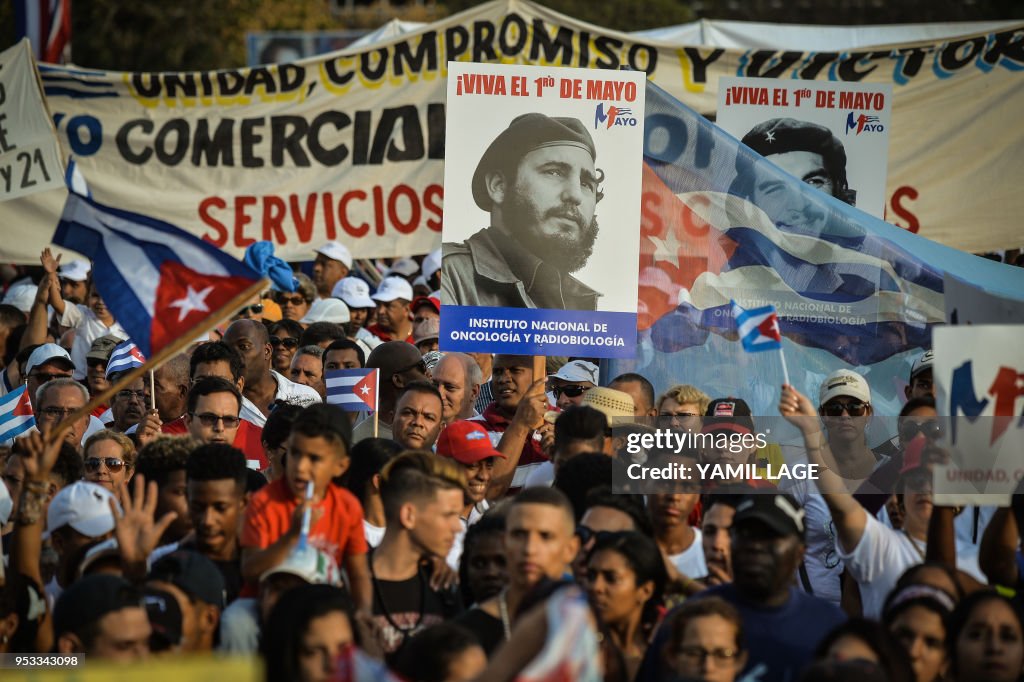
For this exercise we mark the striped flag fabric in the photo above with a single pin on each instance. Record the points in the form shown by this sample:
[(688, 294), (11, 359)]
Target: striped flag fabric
[(158, 280), (47, 25), (125, 356), (353, 390), (16, 415), (570, 652), (758, 328)]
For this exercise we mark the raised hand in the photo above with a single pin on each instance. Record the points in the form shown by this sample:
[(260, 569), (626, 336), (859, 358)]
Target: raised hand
[(50, 264), (798, 410), (39, 456), (149, 428), (533, 405), (136, 530)]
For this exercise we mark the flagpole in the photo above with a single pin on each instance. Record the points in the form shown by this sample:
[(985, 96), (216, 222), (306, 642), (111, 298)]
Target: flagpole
[(785, 371), (152, 390), (165, 354)]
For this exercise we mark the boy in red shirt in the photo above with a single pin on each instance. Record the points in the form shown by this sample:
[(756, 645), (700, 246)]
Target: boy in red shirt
[(317, 451)]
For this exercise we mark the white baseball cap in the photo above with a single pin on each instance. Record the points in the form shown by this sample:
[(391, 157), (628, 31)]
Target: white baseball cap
[(392, 288), (578, 370), (76, 270), (327, 310), (21, 296), (311, 564), (84, 506), (336, 251), (404, 267), (354, 292), (844, 383), (921, 363), (432, 263), (48, 352)]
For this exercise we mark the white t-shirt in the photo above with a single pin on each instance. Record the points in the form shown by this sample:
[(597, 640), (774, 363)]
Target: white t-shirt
[(541, 476), (690, 562), (88, 328), (877, 562), (288, 391)]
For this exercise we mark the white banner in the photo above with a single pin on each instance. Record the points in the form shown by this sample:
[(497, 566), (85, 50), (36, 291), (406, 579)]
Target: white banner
[(30, 157)]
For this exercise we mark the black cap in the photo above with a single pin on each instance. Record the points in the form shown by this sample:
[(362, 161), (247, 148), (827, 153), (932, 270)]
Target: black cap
[(91, 598), (164, 618), (193, 574), (778, 511), (783, 135), (728, 414), (525, 134)]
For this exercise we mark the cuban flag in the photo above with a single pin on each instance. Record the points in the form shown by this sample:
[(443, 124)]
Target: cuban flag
[(158, 280), (47, 25), (851, 291), (15, 414), (353, 390), (125, 356), (758, 328)]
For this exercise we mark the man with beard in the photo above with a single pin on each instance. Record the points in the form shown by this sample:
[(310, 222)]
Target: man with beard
[(539, 182)]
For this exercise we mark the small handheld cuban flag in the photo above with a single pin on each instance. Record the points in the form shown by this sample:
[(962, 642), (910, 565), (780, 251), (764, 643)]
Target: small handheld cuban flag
[(124, 357), (759, 331), (353, 390), (16, 415)]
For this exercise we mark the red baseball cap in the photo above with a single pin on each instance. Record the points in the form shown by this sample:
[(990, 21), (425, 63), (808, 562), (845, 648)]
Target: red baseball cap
[(466, 442), (431, 301)]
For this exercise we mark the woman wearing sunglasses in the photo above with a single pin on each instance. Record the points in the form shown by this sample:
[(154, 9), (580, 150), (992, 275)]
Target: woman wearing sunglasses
[(295, 304), (284, 341), (109, 459), (874, 555)]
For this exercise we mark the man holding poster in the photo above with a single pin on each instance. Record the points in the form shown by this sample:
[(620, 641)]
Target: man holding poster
[(539, 182)]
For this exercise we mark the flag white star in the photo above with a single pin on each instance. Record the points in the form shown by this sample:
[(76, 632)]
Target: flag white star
[(365, 390), (191, 302), (769, 137), (667, 250)]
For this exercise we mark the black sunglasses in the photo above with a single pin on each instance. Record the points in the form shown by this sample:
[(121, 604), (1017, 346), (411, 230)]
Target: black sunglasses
[(113, 464), (287, 342), (209, 419), (854, 409), (570, 391), (931, 429), (586, 534), (254, 309)]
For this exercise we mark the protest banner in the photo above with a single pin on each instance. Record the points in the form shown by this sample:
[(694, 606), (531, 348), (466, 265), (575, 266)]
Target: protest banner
[(970, 304), (539, 159), (350, 145), (784, 120), (30, 156), (979, 381)]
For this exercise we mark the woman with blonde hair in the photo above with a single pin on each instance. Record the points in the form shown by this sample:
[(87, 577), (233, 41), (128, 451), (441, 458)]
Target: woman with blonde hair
[(109, 459), (682, 405)]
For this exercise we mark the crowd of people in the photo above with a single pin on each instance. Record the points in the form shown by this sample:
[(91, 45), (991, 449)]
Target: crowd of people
[(222, 504)]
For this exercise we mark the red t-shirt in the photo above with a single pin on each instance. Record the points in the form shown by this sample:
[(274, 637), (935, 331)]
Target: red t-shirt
[(339, 532), (175, 427), (383, 335), (248, 438)]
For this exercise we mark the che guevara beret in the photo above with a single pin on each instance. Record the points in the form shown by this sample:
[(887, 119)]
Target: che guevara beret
[(525, 134), (782, 135)]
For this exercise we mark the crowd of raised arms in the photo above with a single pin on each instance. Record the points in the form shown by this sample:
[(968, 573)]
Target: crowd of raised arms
[(224, 505)]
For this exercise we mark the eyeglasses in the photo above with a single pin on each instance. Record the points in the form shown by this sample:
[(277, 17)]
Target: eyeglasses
[(290, 300), (699, 653), (854, 408), (113, 464), (574, 391), (254, 309), (678, 414), (57, 412), (126, 394), (587, 534), (210, 419), (287, 342), (43, 377), (931, 429)]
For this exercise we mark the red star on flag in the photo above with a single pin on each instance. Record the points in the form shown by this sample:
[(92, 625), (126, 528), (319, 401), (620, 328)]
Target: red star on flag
[(366, 390)]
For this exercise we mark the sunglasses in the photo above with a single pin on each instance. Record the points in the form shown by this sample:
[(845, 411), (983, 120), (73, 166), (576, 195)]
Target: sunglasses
[(290, 300), (287, 342), (254, 309), (854, 409), (587, 534), (43, 377), (931, 429), (569, 391), (209, 419), (113, 464)]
